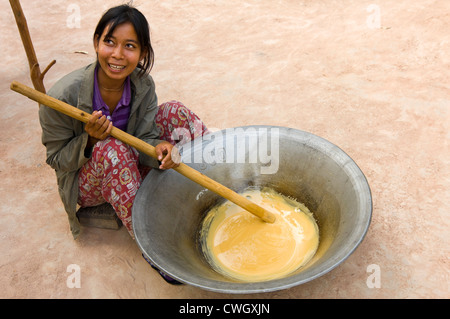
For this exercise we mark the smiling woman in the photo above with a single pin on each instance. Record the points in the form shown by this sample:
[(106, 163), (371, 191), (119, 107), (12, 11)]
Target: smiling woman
[(119, 53), (118, 56), (115, 17), (91, 166)]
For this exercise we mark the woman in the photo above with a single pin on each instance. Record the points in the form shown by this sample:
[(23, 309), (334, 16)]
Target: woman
[(91, 166)]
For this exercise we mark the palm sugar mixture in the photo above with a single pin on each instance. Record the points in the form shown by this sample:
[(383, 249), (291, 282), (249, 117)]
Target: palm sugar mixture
[(240, 245)]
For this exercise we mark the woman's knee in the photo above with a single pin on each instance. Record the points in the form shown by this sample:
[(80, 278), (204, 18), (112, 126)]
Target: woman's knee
[(177, 123)]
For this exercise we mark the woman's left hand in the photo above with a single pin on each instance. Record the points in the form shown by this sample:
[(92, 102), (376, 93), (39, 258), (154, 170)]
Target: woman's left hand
[(164, 153)]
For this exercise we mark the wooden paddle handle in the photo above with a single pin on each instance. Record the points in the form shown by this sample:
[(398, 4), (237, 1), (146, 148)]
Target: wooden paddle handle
[(148, 149)]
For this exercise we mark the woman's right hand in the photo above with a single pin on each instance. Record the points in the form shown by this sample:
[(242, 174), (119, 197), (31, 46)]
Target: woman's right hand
[(98, 127)]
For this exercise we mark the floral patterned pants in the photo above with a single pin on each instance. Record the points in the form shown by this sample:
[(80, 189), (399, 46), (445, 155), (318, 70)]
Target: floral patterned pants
[(113, 173)]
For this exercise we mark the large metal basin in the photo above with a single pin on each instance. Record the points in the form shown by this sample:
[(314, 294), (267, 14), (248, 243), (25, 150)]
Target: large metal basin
[(169, 208)]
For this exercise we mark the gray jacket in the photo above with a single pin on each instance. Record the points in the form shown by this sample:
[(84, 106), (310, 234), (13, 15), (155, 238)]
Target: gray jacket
[(65, 138)]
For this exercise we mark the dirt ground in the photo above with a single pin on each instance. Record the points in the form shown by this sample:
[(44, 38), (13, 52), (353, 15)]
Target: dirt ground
[(369, 76)]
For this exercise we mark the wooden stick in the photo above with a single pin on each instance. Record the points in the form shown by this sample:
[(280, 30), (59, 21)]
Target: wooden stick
[(148, 149), (37, 78)]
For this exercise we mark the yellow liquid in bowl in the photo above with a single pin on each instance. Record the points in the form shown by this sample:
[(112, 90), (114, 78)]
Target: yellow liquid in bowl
[(242, 246)]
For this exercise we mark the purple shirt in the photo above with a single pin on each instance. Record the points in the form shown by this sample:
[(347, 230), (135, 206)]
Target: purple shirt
[(121, 112)]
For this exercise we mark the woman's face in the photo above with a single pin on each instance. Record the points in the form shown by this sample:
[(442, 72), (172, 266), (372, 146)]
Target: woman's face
[(119, 54)]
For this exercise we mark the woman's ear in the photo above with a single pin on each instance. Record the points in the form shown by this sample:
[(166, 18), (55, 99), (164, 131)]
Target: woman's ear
[(96, 40), (143, 54)]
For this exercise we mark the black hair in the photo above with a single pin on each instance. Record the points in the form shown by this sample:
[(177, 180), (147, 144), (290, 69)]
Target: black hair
[(126, 13)]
